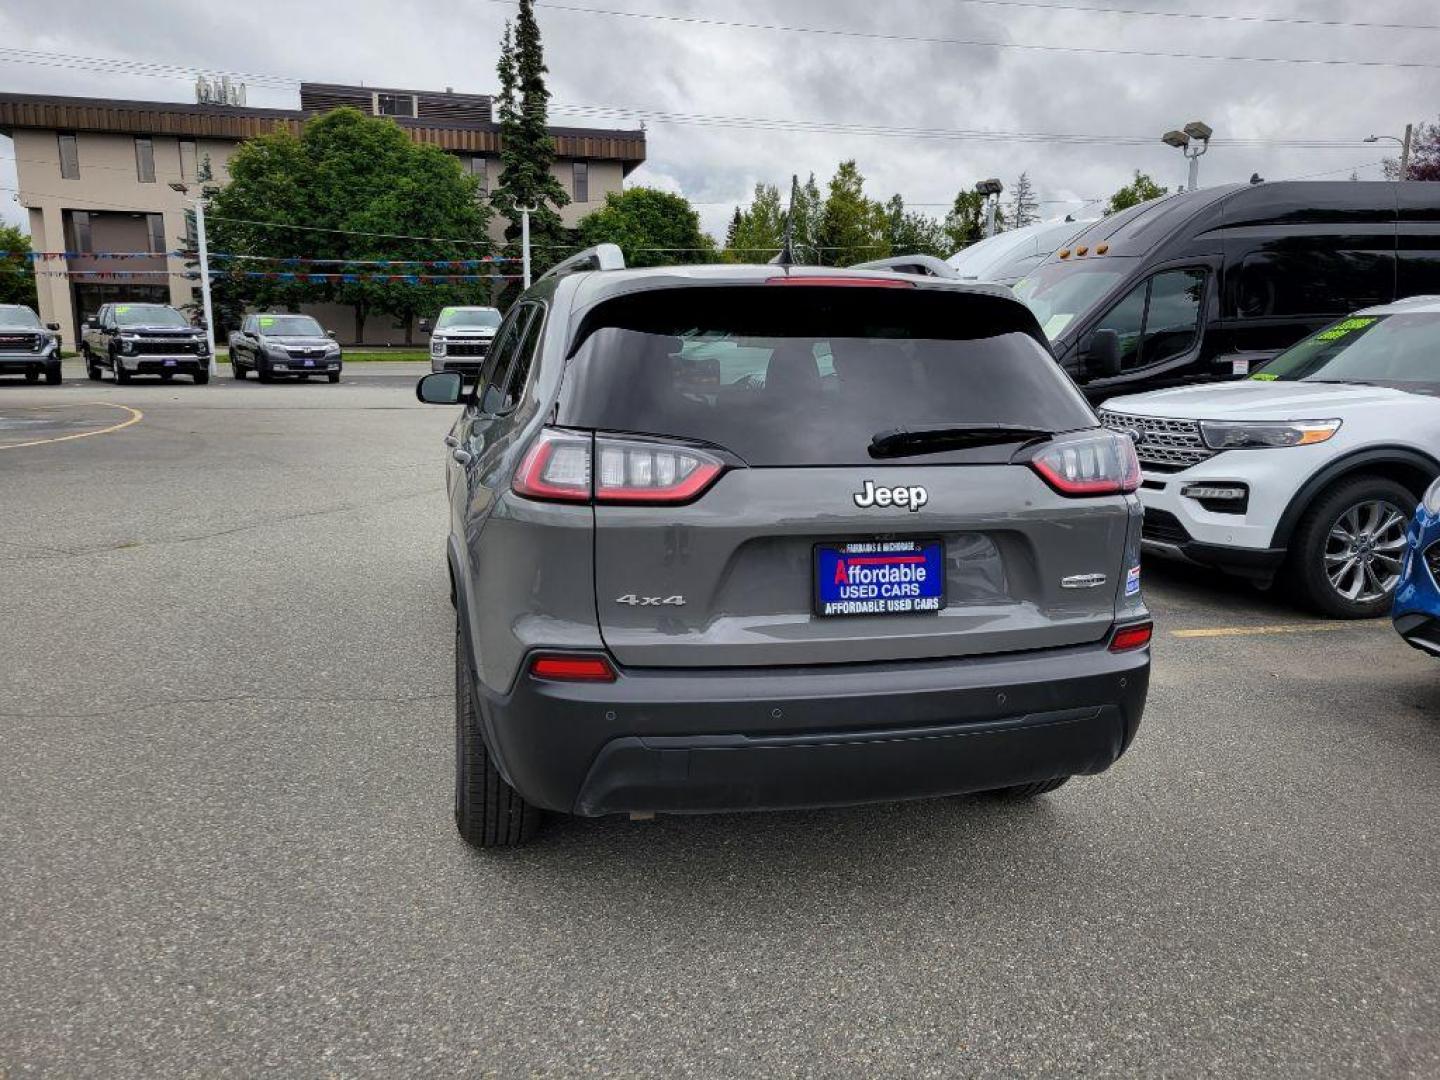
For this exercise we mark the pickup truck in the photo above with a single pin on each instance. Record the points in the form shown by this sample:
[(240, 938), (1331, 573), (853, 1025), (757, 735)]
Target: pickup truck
[(26, 347), (143, 339), (279, 343)]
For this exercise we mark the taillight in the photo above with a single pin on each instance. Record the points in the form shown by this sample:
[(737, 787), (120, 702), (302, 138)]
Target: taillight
[(1099, 463), (1130, 638), (563, 667), (571, 467)]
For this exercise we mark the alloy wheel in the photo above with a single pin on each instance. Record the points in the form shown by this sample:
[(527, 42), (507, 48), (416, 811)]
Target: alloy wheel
[(1363, 551)]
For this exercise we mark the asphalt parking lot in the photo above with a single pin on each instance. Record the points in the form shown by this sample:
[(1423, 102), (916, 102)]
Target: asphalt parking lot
[(225, 701)]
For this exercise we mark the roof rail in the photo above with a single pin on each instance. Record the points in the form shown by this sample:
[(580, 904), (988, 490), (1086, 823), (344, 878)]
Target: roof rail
[(923, 265), (599, 257)]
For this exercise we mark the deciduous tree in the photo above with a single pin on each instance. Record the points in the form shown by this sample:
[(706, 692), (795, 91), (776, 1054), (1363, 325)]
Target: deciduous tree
[(910, 232), (653, 228), (758, 231), (17, 273), (1139, 190)]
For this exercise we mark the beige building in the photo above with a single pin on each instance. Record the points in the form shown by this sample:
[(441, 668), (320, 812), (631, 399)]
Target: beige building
[(96, 177)]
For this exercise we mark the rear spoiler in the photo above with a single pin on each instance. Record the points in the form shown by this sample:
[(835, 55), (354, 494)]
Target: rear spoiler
[(599, 257), (921, 265)]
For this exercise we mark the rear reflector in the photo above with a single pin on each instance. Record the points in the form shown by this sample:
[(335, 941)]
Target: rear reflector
[(825, 281), (1102, 463), (563, 668), (1130, 638)]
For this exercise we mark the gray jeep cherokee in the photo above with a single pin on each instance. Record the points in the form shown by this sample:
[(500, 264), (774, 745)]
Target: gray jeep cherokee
[(760, 537)]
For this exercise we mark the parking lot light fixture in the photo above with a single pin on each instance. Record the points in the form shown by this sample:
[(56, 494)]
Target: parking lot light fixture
[(1192, 140)]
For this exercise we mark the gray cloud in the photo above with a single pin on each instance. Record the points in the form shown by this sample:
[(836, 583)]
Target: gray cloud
[(610, 61)]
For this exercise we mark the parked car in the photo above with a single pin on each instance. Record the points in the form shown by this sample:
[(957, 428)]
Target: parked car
[(278, 343), (1309, 468), (878, 547), (461, 338), (1417, 597), (1207, 285), (144, 339), (1008, 256), (26, 347)]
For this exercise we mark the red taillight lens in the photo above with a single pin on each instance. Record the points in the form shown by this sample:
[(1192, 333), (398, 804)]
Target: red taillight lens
[(1101, 463), (568, 467), (560, 667), (556, 468), (841, 282), (1130, 638)]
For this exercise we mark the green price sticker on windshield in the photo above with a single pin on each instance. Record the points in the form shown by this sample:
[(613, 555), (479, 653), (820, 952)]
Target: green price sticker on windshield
[(122, 309), (1261, 376), (1340, 329), (267, 322)]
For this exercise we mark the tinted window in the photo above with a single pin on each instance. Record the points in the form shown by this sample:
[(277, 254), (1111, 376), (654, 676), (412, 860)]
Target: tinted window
[(1127, 318), (1172, 317), (524, 359), (147, 315), (582, 182), (806, 376), (15, 315), (502, 352), (144, 161), (1400, 349)]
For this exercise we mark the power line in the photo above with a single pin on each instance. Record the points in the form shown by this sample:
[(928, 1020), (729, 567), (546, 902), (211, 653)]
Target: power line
[(923, 39)]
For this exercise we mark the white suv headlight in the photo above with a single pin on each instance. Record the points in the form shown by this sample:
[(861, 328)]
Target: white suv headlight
[(1265, 434), (1431, 502)]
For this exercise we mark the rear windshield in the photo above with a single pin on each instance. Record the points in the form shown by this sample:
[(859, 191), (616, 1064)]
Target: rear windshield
[(808, 376)]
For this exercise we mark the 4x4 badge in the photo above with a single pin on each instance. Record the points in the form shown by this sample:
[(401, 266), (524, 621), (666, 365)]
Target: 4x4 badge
[(913, 496)]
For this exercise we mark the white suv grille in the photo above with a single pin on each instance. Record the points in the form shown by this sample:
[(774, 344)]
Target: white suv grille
[(1164, 445)]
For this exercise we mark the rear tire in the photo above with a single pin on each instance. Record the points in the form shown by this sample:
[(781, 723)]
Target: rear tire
[(488, 811), (53, 375), (263, 374), (121, 375), (1028, 791), (32, 376), (1319, 549), (333, 376), (92, 369), (202, 378), (237, 369)]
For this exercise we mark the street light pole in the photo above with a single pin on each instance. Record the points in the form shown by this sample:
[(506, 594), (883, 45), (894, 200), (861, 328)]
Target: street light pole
[(205, 280), (525, 212), (1405, 155), (1192, 140)]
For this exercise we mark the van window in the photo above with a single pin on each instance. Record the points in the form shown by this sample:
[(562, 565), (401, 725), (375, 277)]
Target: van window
[(1158, 319), (1303, 277), (807, 376)]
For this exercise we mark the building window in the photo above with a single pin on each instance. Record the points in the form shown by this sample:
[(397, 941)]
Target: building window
[(156, 225), (394, 104), (480, 168), (144, 160), (582, 181), (69, 156), (189, 161), (77, 232)]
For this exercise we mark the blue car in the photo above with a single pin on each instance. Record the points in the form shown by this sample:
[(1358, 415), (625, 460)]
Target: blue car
[(1417, 597)]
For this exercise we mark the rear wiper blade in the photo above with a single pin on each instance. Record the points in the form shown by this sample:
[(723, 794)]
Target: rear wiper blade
[(899, 442)]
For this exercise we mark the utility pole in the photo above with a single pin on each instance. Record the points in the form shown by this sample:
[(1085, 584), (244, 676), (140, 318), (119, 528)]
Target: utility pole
[(1405, 154), (525, 212), (205, 279), (990, 190)]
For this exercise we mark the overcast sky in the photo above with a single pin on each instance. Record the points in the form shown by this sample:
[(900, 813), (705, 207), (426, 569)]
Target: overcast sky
[(614, 61)]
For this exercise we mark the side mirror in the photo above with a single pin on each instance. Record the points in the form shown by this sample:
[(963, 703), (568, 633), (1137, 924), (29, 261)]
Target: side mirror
[(425, 326), (441, 388), (330, 334), (1102, 358), (55, 326)]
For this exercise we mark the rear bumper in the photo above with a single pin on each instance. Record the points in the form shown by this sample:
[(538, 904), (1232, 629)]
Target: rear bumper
[(699, 741)]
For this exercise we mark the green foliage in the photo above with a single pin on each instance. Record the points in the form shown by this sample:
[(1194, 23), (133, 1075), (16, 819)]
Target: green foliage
[(852, 227), (354, 174), (643, 219), (1139, 190), (1024, 207), (527, 151), (803, 218), (965, 223), (757, 232), (17, 276), (1424, 155), (913, 233)]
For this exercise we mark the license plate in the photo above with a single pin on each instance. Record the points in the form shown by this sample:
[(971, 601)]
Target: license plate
[(169, 363), (879, 577), (309, 363)]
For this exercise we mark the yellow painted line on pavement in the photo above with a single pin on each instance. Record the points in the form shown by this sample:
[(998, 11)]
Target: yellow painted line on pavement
[(135, 417), (1257, 631)]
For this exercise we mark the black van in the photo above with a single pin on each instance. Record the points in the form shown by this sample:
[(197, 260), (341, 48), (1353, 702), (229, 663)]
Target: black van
[(1207, 284)]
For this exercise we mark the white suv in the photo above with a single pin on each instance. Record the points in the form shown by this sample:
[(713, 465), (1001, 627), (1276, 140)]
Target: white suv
[(1311, 467)]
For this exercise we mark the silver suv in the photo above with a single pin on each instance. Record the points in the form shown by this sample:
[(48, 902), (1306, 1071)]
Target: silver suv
[(756, 537)]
